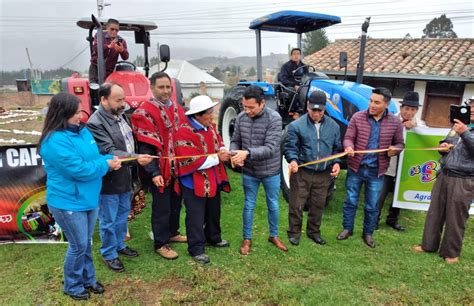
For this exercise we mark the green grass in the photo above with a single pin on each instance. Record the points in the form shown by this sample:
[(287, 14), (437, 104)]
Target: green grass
[(341, 272)]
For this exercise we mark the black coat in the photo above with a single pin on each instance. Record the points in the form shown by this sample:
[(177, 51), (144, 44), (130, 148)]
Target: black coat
[(287, 77), (106, 131)]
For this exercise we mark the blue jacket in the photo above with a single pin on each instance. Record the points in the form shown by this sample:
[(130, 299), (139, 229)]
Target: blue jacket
[(303, 144), (74, 169)]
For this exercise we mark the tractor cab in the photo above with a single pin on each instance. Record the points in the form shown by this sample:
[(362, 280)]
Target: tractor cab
[(135, 84)]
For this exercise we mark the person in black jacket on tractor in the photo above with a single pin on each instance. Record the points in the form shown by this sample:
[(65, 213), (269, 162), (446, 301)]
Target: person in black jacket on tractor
[(290, 76)]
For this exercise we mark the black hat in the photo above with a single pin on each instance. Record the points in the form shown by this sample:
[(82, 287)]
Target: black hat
[(317, 100), (411, 98)]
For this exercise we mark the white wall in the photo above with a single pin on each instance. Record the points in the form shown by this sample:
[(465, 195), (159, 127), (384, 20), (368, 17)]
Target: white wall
[(468, 91), (420, 88), (213, 92)]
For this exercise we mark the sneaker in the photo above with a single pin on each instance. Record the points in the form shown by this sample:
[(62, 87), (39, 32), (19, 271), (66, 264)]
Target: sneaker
[(202, 259), (167, 252), (179, 238)]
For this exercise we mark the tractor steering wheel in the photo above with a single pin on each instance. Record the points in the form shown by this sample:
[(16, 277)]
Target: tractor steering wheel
[(311, 68), (125, 63)]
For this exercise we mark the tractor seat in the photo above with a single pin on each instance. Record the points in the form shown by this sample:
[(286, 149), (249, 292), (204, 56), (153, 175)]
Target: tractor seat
[(123, 68)]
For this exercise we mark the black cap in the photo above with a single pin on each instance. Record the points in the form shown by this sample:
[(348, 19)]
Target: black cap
[(411, 98), (317, 100)]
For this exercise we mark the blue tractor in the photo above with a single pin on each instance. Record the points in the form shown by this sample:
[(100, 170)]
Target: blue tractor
[(344, 98)]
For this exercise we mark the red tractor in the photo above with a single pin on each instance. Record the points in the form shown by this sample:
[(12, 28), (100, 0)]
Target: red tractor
[(135, 84)]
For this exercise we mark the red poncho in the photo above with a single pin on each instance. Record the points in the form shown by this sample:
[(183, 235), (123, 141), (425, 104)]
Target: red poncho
[(192, 142), (156, 124)]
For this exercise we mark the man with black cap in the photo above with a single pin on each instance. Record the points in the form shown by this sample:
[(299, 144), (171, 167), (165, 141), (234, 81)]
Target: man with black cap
[(407, 116), (313, 136)]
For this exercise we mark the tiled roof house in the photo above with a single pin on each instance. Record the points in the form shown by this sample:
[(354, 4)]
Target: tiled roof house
[(440, 70)]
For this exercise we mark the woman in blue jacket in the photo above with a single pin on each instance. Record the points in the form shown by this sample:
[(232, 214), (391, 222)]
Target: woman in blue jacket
[(74, 169)]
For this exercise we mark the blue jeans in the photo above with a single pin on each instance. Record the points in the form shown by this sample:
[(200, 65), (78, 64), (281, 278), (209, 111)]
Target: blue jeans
[(373, 185), (271, 184), (113, 220), (78, 226)]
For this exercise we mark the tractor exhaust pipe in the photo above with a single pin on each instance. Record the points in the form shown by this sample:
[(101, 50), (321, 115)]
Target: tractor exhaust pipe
[(363, 40)]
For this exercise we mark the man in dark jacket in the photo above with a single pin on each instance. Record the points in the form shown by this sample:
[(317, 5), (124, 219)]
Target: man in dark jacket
[(311, 137), (113, 135), (452, 194), (374, 128), (292, 71), (256, 146), (290, 75)]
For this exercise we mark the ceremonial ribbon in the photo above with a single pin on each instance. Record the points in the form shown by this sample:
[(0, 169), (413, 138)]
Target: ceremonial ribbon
[(127, 159), (314, 162), (339, 155)]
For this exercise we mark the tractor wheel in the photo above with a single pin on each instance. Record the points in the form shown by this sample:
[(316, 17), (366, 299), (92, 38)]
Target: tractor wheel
[(227, 117)]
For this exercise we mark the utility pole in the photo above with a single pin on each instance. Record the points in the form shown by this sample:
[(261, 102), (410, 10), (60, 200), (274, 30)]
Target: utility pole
[(35, 74), (100, 7)]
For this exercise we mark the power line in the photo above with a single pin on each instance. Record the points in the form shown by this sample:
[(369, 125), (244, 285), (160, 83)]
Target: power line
[(75, 56)]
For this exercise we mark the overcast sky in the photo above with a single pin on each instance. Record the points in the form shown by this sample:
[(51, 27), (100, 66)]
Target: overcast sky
[(197, 28)]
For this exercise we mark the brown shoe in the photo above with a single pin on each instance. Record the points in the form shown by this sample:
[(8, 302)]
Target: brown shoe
[(278, 243), (418, 248), (179, 238), (451, 260), (167, 252), (344, 234), (369, 240), (245, 247)]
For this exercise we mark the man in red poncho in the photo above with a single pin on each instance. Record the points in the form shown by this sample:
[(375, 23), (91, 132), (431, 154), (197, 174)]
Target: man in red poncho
[(202, 176), (155, 123)]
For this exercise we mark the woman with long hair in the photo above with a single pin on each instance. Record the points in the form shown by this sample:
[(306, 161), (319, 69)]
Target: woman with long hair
[(74, 169)]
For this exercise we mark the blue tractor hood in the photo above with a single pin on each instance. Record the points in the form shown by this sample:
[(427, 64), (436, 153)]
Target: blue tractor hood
[(293, 22)]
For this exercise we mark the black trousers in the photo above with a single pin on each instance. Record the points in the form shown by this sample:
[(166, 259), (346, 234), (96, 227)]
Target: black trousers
[(449, 209), (393, 212), (203, 217), (165, 213)]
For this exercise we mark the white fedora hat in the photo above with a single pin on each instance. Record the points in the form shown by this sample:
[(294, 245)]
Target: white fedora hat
[(199, 104)]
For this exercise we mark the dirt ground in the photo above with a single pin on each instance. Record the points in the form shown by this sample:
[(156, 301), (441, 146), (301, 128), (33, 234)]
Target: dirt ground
[(33, 123)]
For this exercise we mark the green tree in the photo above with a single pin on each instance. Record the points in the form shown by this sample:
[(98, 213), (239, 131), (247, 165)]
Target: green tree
[(441, 27), (217, 73), (251, 71), (314, 41)]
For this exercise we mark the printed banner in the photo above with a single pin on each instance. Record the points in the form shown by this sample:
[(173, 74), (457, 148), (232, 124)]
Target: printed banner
[(45, 87), (417, 169), (24, 215)]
